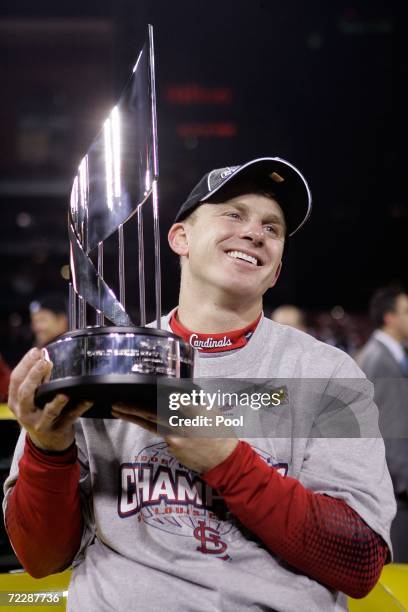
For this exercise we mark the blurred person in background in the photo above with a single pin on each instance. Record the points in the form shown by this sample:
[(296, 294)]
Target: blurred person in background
[(335, 328), (48, 318), (384, 360), (289, 315)]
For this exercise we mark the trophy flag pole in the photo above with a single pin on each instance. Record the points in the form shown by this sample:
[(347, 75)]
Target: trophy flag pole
[(122, 286), (100, 319), (157, 276), (72, 308), (155, 196), (140, 247), (82, 312)]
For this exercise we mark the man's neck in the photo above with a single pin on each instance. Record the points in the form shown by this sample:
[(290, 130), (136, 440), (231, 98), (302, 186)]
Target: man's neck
[(212, 313), (392, 333)]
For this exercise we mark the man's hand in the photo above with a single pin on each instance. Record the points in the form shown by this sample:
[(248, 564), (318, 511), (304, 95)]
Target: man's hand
[(197, 453), (48, 428)]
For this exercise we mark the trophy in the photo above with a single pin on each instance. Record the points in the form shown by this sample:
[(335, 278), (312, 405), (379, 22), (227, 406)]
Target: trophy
[(116, 179)]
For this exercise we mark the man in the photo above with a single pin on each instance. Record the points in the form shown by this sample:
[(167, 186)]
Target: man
[(211, 523), (384, 360), (48, 318), (289, 315)]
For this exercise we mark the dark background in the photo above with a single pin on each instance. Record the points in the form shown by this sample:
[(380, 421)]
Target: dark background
[(320, 84)]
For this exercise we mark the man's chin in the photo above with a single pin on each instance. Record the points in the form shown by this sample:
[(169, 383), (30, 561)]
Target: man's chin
[(239, 289), (41, 342)]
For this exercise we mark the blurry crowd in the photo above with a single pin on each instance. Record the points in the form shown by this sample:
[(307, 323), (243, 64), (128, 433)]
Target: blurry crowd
[(348, 332)]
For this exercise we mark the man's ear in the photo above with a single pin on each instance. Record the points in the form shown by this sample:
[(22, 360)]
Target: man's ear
[(389, 318), (277, 273), (63, 322), (177, 238)]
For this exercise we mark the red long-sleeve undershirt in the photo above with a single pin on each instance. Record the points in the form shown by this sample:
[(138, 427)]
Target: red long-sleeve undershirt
[(319, 535), (43, 516), (316, 534)]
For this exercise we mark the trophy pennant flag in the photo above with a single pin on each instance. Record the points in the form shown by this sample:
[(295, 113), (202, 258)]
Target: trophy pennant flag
[(116, 179)]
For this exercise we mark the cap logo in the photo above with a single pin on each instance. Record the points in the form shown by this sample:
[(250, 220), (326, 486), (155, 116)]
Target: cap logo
[(276, 177), (216, 177), (226, 172)]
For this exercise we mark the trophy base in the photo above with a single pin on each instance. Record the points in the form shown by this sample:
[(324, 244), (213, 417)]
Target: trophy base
[(108, 365), (103, 391)]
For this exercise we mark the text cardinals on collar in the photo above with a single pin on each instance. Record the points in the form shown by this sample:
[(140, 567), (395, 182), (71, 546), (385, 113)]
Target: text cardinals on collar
[(214, 343), (209, 342)]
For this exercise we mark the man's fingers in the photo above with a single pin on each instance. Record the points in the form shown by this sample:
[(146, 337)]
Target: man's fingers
[(21, 370), (133, 410), (74, 414), (147, 425), (52, 410), (152, 424), (140, 413), (173, 440), (47, 376), (26, 390)]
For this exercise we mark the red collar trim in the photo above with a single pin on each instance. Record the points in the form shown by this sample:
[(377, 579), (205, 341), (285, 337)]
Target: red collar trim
[(214, 343)]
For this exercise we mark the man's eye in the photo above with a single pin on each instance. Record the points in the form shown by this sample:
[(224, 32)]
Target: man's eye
[(271, 229), (233, 215)]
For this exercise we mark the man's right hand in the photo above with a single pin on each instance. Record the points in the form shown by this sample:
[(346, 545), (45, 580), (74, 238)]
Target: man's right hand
[(49, 428)]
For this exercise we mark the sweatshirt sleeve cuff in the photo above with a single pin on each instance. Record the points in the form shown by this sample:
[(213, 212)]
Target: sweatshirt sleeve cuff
[(51, 458), (219, 475)]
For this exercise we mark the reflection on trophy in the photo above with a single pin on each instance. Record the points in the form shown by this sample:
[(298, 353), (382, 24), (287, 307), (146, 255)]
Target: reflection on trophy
[(116, 179)]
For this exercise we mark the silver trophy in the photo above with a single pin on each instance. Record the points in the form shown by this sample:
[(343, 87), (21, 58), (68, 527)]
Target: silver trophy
[(116, 179)]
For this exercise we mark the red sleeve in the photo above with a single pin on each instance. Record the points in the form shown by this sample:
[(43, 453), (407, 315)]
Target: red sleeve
[(319, 535), (4, 379), (43, 514)]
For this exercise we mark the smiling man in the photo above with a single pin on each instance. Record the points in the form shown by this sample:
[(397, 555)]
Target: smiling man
[(214, 523)]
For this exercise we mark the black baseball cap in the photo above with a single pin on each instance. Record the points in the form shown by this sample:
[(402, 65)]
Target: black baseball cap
[(284, 180)]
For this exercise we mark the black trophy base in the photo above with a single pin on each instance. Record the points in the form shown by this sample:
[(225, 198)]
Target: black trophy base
[(103, 391)]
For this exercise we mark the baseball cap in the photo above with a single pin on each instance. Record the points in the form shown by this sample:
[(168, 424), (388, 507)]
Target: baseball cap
[(283, 178)]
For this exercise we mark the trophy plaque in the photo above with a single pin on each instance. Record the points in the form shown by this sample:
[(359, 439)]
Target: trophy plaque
[(116, 179)]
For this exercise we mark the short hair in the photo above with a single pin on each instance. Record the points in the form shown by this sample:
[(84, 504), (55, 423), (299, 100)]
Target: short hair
[(383, 301), (54, 302)]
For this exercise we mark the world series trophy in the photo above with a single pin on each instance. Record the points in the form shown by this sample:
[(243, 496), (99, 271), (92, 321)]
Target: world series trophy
[(116, 179)]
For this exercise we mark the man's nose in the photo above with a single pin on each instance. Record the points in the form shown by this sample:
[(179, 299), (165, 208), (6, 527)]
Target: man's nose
[(254, 234)]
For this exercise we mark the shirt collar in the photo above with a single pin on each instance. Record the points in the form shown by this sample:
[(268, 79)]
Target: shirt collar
[(396, 349), (213, 343)]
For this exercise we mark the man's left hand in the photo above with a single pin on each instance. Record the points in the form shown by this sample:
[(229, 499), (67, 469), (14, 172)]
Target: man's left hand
[(197, 453)]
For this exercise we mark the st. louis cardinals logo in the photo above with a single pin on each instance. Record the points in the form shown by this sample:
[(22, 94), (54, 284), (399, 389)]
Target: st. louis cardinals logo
[(210, 541), (164, 494)]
